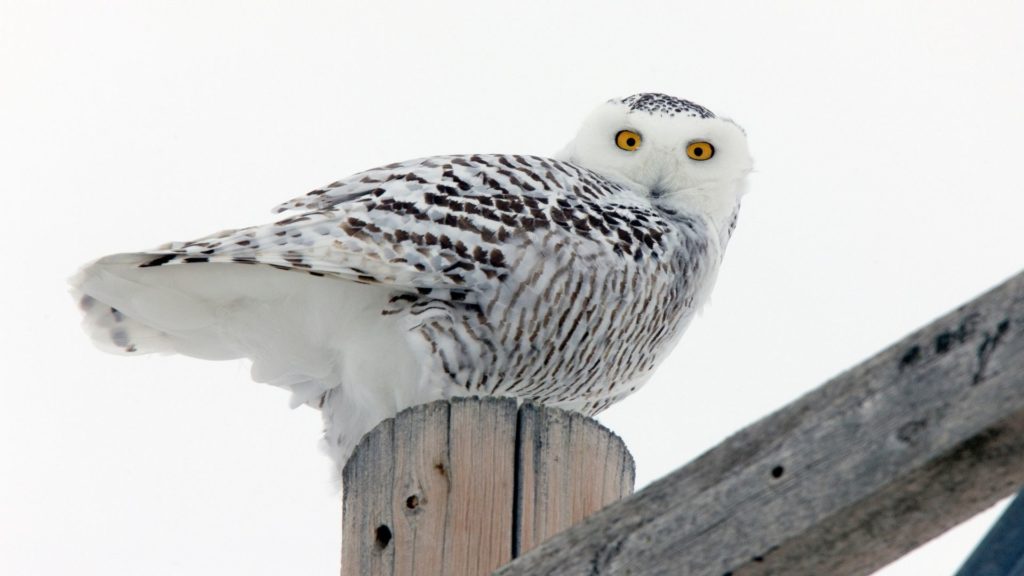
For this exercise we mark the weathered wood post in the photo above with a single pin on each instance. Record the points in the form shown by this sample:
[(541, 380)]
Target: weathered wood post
[(461, 488)]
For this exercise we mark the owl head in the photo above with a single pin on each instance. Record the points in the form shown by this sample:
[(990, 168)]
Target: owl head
[(677, 153)]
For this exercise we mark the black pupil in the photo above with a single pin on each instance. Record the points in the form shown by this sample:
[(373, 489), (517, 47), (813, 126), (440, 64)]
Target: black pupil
[(698, 151), (631, 141)]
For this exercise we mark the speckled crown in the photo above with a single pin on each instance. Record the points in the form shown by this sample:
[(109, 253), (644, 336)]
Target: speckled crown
[(663, 104)]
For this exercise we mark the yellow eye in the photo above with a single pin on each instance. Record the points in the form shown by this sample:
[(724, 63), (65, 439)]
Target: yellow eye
[(700, 150), (627, 140)]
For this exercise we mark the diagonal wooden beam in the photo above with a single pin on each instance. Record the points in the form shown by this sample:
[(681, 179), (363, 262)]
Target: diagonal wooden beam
[(846, 479)]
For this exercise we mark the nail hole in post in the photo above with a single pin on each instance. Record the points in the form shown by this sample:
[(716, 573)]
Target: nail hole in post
[(382, 536)]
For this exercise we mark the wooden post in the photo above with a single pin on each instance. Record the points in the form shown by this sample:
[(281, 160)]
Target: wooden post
[(463, 487)]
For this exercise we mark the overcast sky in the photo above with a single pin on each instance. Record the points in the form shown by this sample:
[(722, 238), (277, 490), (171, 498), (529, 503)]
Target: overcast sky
[(887, 140)]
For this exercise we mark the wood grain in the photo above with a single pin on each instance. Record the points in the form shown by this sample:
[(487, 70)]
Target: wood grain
[(560, 484), (843, 481), (457, 488)]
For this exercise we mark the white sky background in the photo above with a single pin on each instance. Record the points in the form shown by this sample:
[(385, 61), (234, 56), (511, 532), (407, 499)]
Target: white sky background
[(887, 138)]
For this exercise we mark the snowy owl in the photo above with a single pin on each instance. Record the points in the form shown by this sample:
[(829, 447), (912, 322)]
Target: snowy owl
[(563, 280)]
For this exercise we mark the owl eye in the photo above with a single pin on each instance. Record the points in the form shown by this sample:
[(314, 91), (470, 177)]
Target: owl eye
[(627, 140), (700, 150)]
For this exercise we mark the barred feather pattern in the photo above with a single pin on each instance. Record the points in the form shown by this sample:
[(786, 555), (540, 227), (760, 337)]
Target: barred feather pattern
[(515, 275)]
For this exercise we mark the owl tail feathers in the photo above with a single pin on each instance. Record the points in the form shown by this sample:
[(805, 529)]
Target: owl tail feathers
[(303, 333), (131, 310)]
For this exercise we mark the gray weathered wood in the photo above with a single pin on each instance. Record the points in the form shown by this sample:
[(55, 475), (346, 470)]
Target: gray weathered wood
[(843, 481), (457, 488), (568, 468)]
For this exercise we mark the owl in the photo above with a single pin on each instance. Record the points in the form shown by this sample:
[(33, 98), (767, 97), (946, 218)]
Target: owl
[(564, 280)]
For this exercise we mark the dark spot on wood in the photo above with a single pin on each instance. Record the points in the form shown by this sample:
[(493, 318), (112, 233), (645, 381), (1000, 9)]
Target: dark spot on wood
[(412, 502), (911, 356), (911, 431), (382, 536), (441, 469), (758, 558), (778, 471), (944, 342), (194, 259), (987, 347), (947, 340)]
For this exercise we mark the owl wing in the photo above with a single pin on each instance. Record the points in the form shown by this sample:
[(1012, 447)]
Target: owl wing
[(445, 228), (451, 223)]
